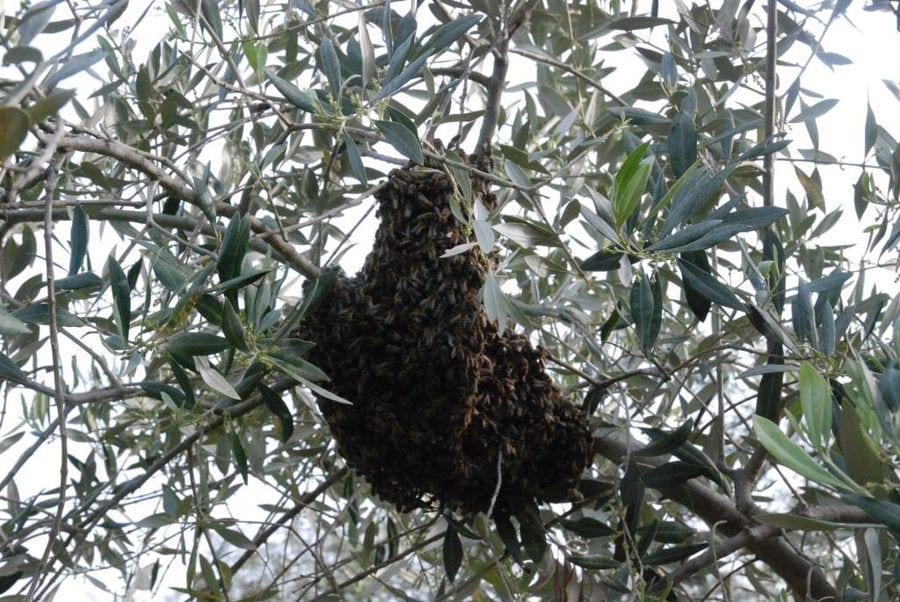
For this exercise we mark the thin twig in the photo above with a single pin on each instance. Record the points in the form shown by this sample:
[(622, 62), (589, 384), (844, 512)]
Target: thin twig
[(768, 176), (753, 467), (304, 501), (496, 493), (47, 157)]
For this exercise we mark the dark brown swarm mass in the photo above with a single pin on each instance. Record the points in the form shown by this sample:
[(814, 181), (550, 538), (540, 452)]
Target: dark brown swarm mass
[(438, 394)]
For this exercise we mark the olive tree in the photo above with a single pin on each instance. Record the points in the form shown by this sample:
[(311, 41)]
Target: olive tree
[(184, 182)]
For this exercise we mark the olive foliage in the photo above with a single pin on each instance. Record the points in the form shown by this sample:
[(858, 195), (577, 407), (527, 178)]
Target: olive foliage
[(183, 182)]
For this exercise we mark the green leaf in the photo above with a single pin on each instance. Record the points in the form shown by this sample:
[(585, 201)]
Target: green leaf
[(121, 292), (17, 257), (402, 139), (672, 474), (697, 188), (603, 261), (184, 381), (638, 116), (516, 174), (799, 522), (812, 185), (768, 398), (707, 286), (34, 21), (172, 396), (484, 234), (682, 143), (754, 218), (815, 399), (790, 454), (232, 327), (639, 22), (448, 33), (871, 129), (669, 71), (885, 512), (79, 281), (210, 17), (534, 538), (666, 442), (587, 527), (671, 532), (600, 224), (802, 316), (14, 126), (331, 66), (690, 454), (860, 453), (452, 552), (528, 234), (10, 325), (173, 275), (252, 8), (681, 241), (889, 383), (594, 562), (355, 160), (235, 243), (673, 554), (833, 58), (297, 367), (766, 147), (306, 101), (814, 112), (22, 54), (238, 455), (284, 421), (74, 66), (507, 533), (50, 105), (495, 303), (403, 36), (11, 372), (232, 536), (400, 80), (290, 364), (39, 313), (630, 183), (78, 240), (367, 52), (645, 310), (239, 282), (215, 380), (196, 343)]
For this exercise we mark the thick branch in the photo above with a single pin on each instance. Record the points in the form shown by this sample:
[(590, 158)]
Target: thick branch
[(801, 574), (722, 550)]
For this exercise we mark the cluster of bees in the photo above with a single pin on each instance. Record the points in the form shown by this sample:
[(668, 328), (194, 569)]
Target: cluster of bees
[(447, 410)]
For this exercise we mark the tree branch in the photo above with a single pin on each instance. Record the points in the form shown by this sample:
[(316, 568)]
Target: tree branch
[(721, 550), (146, 164), (265, 239), (269, 530), (801, 574), (47, 156)]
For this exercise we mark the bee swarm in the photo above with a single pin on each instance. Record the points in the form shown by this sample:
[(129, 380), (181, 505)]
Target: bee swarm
[(438, 393)]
